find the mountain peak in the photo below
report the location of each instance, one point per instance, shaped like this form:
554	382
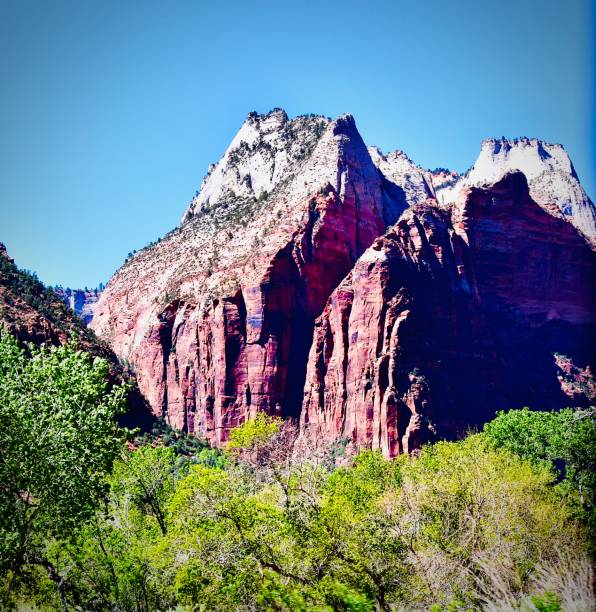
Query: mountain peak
552	179
411	182
275	113
264	152
344	123
531	154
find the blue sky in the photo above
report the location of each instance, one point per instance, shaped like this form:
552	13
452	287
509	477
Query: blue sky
111	111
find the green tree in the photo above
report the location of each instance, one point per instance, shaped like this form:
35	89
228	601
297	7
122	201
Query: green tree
116	559
564	440
480	523
253	434
58	441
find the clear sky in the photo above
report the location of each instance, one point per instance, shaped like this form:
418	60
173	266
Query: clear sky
111	111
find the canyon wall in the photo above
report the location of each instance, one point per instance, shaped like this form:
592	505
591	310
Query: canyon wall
81	301
317	279
449	316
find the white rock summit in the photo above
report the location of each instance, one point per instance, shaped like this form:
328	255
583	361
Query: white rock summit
264	152
551	177
414	182
270	150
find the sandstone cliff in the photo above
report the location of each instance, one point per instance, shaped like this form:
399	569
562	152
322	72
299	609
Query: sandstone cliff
81	301
269	296
217	317
449	316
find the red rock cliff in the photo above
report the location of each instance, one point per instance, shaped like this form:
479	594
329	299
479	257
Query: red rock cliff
269	297
449	316
217	319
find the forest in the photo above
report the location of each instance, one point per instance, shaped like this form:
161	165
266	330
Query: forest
94	516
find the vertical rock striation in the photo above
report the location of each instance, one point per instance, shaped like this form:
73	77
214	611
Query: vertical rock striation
316	279
449	316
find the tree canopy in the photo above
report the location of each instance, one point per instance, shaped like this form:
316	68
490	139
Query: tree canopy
276	521
58	441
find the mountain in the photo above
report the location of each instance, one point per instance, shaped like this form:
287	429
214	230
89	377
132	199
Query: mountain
316	278
451	315
35	313
216	318
408	183
552	179
81	301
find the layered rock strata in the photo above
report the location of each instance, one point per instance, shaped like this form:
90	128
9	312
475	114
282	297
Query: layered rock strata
449	316
316	279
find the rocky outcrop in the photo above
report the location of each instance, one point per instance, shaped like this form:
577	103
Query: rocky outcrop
81	301
553	182
34	313
449	316
407	182
578	384
269	296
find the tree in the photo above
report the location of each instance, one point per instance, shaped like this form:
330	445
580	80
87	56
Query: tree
564	440
147	477
58	441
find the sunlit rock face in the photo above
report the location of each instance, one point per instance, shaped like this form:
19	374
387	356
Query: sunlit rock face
315	278
81	301
552	179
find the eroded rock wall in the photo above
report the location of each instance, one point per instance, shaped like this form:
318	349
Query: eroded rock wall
449	316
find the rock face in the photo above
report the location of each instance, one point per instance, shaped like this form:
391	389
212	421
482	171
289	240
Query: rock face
449	316
82	301
269	296
407	182
265	152
217	317
551	176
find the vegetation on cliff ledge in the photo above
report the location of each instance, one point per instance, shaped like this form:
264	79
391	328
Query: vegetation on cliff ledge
89	521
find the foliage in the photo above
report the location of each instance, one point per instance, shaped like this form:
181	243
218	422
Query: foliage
463	525
58	441
273	523
182	443
254	433
564	440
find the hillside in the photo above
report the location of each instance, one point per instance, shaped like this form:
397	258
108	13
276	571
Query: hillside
32	312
